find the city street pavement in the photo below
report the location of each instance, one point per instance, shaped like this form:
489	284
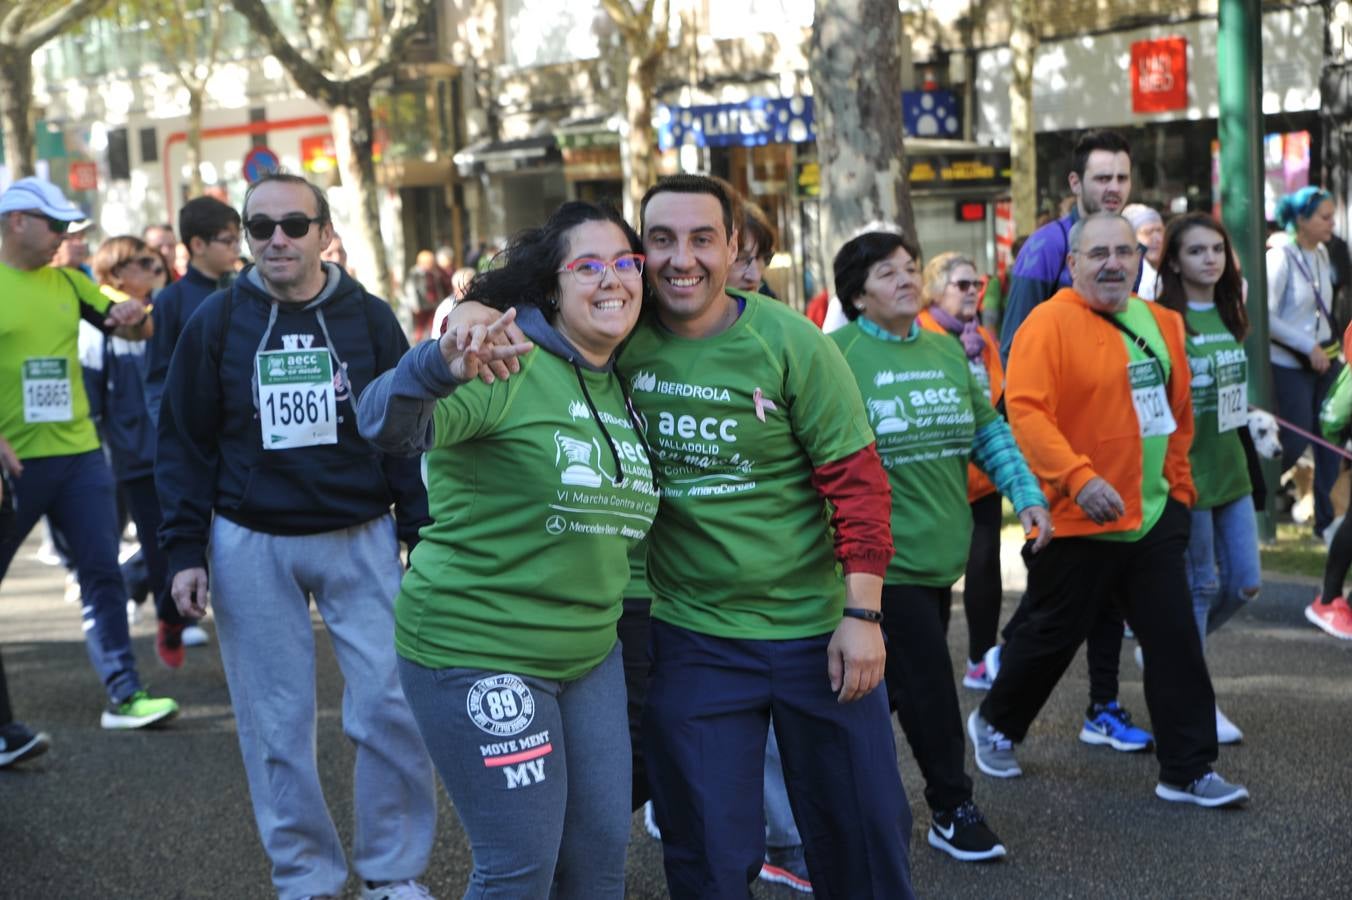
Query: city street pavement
165	814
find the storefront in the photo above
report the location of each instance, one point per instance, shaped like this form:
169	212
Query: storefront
1158	86
766	147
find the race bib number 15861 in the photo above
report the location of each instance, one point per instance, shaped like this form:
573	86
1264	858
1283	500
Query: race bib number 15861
296	399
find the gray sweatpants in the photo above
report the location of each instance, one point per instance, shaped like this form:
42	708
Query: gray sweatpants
539	773
260	586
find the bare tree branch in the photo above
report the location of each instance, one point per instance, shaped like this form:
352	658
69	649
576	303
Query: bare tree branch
309	77
27	38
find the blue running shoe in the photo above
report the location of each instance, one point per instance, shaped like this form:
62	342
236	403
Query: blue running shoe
1111	725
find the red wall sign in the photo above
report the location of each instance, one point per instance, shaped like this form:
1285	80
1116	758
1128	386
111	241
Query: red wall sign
1159	75
84	176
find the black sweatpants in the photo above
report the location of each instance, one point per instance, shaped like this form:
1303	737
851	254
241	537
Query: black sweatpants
632	630
981	586
1068	583
920	688
1104	645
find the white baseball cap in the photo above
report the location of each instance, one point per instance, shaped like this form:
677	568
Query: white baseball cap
35	195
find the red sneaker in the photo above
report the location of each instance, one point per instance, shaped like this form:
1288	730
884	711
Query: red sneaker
169	645
1334	617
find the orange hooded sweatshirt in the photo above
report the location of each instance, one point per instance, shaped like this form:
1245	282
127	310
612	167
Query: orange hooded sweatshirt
1070	408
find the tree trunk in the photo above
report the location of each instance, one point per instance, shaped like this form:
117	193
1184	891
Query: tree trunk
353	140
194	147
641	170
856	82
1022	140
16	95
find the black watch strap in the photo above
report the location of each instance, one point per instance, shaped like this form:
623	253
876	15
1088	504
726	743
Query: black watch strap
868	615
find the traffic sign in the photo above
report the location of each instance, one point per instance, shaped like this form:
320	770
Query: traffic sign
259	162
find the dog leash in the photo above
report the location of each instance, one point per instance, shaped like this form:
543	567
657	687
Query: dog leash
1305	434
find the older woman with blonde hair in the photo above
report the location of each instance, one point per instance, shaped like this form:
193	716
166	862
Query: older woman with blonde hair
950	290
126	267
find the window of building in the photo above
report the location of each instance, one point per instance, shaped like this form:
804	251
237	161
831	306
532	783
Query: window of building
119	155
150	150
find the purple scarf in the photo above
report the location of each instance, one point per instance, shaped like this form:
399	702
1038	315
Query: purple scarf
963	331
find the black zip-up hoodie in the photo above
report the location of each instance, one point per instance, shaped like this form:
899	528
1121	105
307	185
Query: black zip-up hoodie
210	452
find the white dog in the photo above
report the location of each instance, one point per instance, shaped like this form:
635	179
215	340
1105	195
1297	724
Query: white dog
1263	430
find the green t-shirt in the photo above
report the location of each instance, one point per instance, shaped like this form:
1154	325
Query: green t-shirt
737	423
925	406
1145	372
43	407
1220	371
637	588
525	563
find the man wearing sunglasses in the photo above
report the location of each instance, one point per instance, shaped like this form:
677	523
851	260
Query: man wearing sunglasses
258	425
44	412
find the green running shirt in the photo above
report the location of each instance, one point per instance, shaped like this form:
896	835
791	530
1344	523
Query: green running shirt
525	563
925	406
1220	369
737	423
1154	486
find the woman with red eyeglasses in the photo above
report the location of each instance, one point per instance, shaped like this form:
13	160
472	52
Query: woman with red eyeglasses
126	268
505	622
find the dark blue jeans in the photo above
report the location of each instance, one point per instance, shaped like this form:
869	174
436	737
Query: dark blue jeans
144	506
77	493
704	730
1300	393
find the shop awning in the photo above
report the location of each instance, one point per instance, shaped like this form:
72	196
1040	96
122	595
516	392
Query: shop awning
507	156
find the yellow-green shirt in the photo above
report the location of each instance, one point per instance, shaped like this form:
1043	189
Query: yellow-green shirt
43	407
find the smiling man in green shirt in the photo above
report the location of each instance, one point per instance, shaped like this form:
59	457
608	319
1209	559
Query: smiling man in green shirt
771	489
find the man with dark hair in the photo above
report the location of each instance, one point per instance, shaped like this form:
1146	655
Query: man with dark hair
1100	179
260	468
753	417
44	413
210	231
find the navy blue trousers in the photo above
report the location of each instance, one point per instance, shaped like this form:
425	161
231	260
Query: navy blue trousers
704	729
77	493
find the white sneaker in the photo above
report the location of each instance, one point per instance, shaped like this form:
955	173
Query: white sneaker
1226	731
396	890
195	636
1139	654
650	821
992	661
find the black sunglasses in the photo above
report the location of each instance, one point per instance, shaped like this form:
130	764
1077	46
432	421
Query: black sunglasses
57	226
962	284
261	228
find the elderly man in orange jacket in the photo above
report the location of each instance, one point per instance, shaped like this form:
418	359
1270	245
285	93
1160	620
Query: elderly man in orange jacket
1098	396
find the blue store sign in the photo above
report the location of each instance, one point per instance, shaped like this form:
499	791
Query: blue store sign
762	120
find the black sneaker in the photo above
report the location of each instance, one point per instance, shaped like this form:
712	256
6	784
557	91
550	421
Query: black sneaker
18	742
963	834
